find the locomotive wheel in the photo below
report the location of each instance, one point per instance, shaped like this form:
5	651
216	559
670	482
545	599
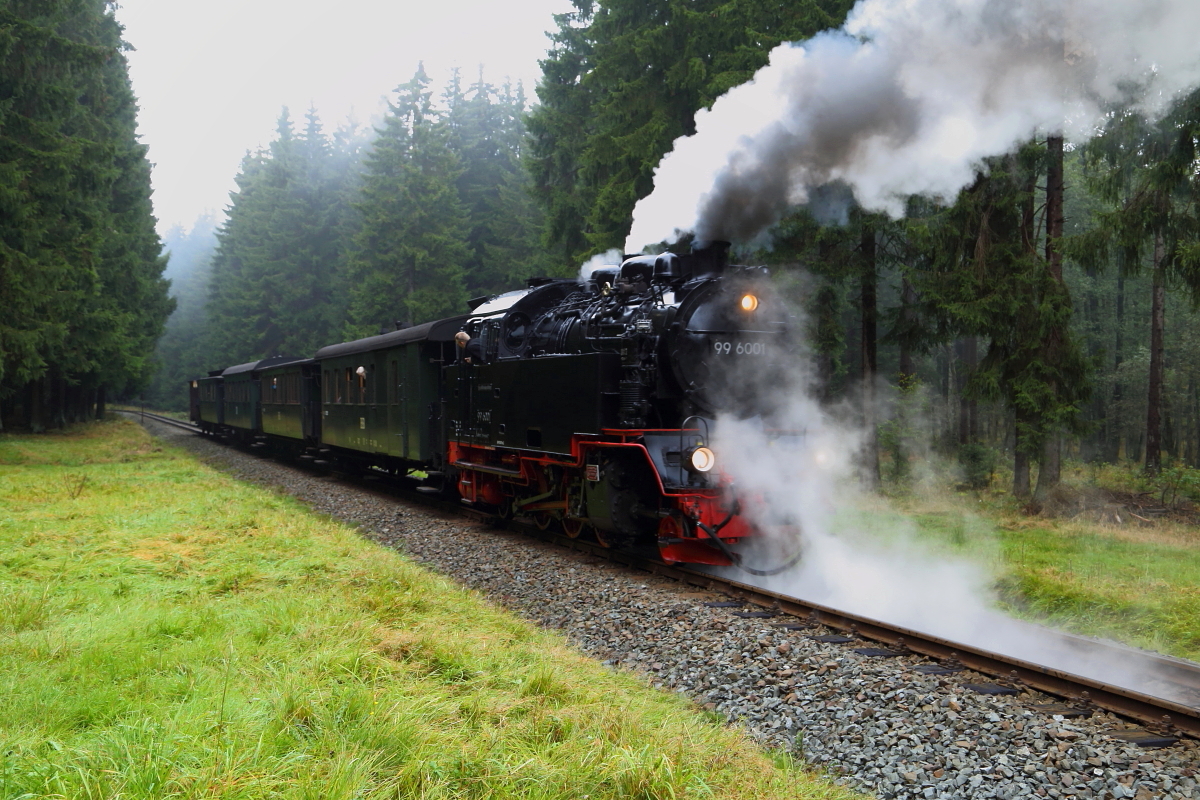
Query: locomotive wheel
504	511
543	519
574	527
617	539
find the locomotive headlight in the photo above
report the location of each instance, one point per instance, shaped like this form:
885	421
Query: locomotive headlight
702	459
749	302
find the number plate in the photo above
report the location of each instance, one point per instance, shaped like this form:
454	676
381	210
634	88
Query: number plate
739	348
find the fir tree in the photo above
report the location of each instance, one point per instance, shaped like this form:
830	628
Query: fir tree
80	265
276	284
487	133
1147	172
410	246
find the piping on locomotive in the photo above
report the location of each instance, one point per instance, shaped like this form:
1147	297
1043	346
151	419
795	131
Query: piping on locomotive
584	403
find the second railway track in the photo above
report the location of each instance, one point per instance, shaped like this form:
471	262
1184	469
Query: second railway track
1164	718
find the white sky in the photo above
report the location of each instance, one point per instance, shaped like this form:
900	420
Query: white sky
211	77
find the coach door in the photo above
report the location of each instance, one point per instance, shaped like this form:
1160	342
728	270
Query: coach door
395	417
407	415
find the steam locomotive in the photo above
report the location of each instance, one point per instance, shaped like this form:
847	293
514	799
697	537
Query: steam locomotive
584	403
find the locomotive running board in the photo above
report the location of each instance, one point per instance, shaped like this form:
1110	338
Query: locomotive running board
484	468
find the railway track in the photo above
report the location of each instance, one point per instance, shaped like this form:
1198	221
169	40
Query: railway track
1173	710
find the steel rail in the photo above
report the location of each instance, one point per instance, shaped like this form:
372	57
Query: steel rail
160	418
1156	713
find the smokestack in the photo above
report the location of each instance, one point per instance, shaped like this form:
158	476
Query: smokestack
709	258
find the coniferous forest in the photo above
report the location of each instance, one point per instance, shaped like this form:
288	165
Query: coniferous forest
81	284
1047	313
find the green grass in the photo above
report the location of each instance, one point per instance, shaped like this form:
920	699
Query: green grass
168	632
1139	584
1145	592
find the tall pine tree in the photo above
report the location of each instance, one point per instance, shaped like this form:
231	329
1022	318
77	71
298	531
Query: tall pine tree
276	284
487	132
80	263
410	248
624	79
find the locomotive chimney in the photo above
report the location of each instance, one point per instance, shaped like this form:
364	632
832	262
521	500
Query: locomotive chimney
710	258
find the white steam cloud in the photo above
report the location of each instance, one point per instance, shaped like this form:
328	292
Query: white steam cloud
611	258
858	556
908	98
872	562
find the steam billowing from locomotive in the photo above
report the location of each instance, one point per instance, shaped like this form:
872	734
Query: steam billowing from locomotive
908	98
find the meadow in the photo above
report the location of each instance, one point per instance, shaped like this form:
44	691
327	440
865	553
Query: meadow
1098	571
168	632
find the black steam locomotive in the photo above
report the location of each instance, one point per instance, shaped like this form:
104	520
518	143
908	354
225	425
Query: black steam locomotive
585	403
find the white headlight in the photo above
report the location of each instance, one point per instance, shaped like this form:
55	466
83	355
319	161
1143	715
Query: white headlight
703	459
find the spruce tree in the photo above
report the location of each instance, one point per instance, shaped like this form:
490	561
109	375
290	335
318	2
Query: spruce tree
410	247
1147	173
80	264
182	353
276	284
487	133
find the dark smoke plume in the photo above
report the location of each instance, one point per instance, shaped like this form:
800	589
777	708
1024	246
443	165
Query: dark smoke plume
909	98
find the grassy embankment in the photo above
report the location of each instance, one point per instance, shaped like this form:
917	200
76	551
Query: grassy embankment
1132	581
168	632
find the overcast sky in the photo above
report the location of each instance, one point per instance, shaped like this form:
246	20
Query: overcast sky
211	77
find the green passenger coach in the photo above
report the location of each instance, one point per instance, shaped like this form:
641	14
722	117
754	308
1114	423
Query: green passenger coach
381	395
289	400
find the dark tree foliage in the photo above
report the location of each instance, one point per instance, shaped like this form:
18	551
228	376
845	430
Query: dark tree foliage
623	80
343	236
411	245
487	132
80	263
275	287
182	352
1147	173
988	279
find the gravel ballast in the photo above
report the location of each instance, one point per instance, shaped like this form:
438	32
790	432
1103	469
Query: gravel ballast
872	721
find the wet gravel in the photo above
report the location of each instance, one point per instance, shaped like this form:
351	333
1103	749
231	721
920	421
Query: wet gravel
873	722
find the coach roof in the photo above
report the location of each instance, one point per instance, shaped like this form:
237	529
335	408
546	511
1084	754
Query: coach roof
441	330
255	366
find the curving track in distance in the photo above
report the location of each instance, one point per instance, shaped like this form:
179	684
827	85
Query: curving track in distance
1173	710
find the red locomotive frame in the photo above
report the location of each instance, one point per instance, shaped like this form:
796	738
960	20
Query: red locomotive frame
520	482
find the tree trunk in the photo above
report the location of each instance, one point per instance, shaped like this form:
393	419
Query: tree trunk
1194	399
870	365
1158	301
37	409
1020	464
1054	205
908	299
1050	474
968	412
1118	442
100	409
1098	444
